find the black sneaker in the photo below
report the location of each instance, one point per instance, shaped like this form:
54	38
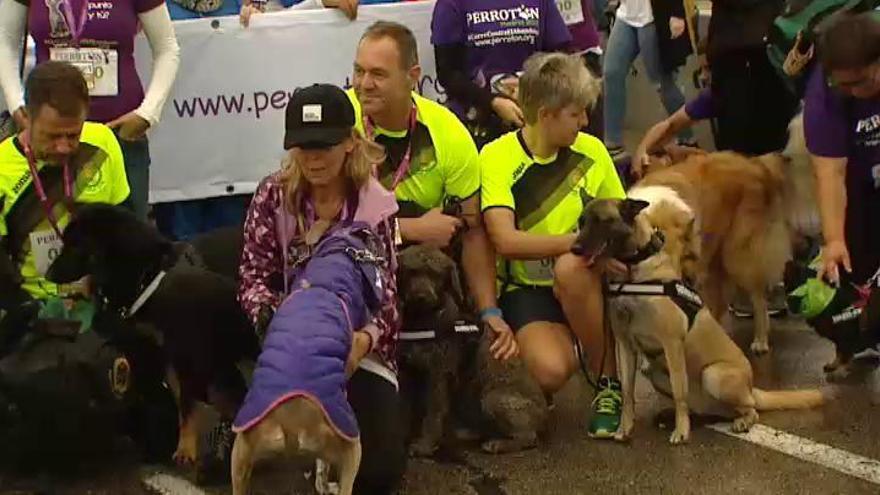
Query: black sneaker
215	462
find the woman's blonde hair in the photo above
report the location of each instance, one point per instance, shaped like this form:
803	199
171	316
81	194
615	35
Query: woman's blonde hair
358	168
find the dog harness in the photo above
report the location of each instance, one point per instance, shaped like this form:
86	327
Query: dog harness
461	327
681	294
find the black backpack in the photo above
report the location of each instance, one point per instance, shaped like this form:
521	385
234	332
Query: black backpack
804	18
61	392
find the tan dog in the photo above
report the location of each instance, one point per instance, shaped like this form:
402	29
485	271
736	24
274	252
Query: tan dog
299	426
691	359
748	212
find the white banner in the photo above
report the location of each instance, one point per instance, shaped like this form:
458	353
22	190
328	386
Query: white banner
223	124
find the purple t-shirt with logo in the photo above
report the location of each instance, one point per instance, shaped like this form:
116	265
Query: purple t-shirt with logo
578	15
499	34
110	25
838	126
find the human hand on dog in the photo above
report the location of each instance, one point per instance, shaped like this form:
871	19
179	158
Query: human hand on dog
504	345
508	110
433	228
834	254
361	342
676	27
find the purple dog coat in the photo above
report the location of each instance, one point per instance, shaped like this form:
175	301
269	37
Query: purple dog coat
309	338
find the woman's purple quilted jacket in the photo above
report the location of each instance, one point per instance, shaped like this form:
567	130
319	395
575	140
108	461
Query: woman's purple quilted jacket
309	338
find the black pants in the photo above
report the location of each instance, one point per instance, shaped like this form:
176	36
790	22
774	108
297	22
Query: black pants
753	105
376	405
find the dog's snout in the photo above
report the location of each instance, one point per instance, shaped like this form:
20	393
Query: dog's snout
422	292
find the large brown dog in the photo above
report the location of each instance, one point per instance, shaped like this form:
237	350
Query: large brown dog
747	210
691	357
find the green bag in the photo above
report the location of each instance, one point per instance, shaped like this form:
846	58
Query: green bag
803	17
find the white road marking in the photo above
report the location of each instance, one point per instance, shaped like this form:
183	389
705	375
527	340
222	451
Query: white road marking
807	450
169	484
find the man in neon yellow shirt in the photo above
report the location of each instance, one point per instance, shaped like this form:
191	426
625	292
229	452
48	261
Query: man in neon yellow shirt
59	161
531	184
430	157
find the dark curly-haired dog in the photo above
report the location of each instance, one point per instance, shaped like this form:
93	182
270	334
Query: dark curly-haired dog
431	300
513	405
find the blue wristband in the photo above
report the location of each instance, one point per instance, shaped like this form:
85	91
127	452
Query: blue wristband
490	312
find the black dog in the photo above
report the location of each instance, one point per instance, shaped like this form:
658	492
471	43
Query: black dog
850	319
140	276
17	309
433	342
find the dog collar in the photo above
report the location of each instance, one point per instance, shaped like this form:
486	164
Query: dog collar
654	245
145	295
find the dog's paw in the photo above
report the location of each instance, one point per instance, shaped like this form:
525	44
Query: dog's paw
622	436
832	366
494	446
624	431
760	347
463	434
744	423
422	448
679	436
838	373
187	452
184	456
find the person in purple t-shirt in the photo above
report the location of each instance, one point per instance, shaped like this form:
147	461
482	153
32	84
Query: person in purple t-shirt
842	130
98	38
480	47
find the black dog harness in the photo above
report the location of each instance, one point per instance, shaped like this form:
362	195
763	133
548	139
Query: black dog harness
686	298
681	294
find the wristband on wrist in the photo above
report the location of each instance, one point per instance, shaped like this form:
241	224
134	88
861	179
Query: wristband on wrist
489	312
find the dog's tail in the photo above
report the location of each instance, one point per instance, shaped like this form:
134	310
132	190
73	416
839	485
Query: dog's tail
774	400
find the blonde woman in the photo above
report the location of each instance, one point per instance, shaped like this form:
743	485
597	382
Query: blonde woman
327	178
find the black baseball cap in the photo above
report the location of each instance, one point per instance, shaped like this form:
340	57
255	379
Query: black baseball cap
318	116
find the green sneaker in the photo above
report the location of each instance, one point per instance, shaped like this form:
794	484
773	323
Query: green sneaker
606	409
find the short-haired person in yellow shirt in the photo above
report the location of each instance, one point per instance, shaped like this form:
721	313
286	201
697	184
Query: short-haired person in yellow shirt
58	162
532	180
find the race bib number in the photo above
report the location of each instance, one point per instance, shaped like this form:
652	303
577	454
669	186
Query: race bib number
539	270
572	11
99	66
46	246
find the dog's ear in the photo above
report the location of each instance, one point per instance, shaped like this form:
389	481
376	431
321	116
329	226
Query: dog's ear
629	208
585	197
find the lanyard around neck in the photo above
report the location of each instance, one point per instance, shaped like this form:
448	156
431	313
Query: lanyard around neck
405	162
38	184
76	28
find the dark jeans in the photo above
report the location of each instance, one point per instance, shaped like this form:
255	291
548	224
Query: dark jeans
137	169
183	220
376	406
754	107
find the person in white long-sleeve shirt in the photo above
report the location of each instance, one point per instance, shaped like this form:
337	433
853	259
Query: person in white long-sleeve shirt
98	38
